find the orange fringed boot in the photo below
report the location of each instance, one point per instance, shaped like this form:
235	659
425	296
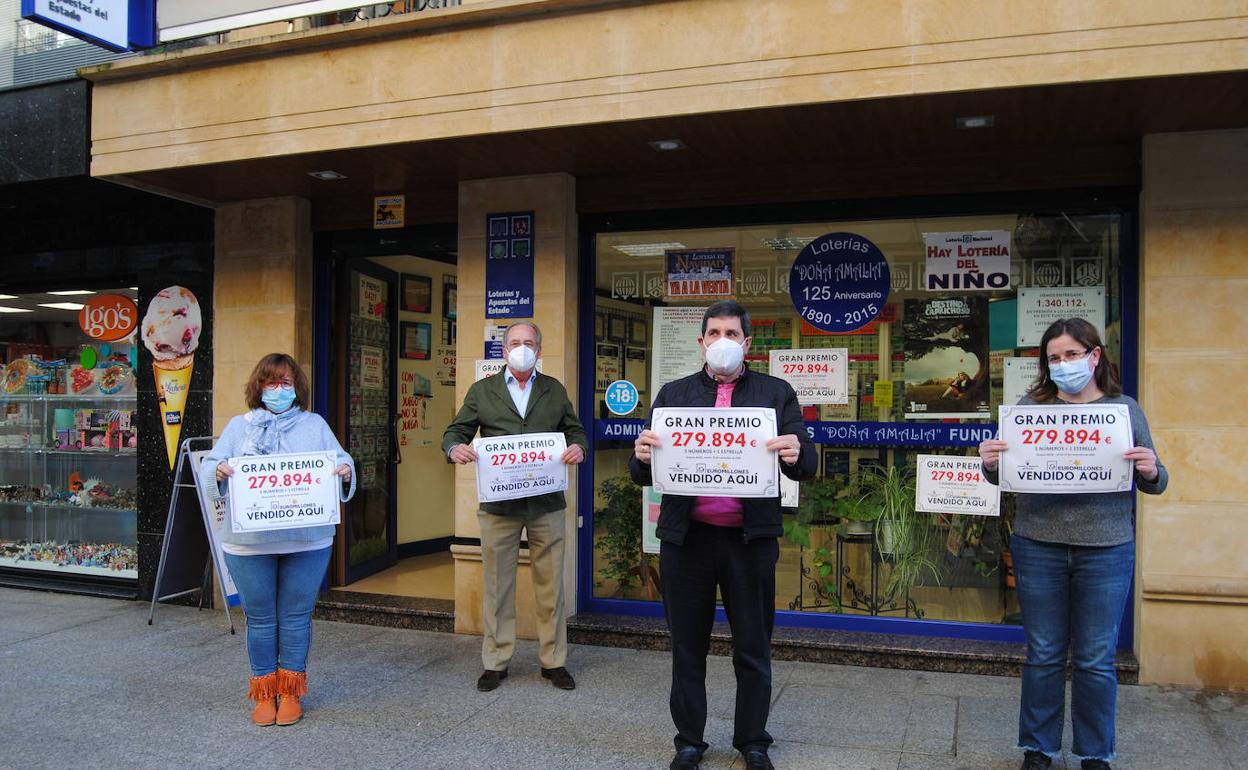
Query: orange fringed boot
291	686
263	691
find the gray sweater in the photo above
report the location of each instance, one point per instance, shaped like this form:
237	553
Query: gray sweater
1094	519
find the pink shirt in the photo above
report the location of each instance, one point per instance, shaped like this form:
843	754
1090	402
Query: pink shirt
720	511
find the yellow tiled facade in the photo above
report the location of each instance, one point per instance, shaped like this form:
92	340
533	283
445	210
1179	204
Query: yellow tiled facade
480	71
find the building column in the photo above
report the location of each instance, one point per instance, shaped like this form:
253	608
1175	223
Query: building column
552	198
1192	575
262	296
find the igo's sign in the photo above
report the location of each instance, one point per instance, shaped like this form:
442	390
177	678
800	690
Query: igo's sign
108	317
118	25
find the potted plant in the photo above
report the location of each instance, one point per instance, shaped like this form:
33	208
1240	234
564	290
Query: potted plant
902	534
619	521
819	502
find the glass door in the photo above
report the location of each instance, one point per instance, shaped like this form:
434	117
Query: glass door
366	324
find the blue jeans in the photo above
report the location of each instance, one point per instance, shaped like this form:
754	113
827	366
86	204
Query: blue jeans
278	592
1072	598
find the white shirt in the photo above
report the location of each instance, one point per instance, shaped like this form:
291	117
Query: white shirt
520	396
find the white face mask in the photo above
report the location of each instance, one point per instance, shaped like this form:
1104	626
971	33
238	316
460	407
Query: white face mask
521	358
724	356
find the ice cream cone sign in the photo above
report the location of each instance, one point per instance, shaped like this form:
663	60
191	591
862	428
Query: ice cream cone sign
170	332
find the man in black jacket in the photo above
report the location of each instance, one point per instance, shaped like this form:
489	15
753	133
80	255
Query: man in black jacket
724	543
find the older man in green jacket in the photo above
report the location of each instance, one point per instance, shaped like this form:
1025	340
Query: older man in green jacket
514	401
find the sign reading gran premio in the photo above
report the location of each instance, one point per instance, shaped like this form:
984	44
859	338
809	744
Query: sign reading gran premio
1066	449
711	452
283	491
180	19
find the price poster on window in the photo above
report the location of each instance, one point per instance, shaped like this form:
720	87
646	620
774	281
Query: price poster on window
712	452
952	484
523	465
1039	308
1066	449
818	376
283	491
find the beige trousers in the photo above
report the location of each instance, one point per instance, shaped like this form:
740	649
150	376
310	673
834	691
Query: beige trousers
500	553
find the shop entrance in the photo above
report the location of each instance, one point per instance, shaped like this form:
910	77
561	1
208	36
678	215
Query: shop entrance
392	392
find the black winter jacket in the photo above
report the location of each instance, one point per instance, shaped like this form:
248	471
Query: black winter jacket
761	515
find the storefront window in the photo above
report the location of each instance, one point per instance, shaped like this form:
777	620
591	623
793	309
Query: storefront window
68	438
947	355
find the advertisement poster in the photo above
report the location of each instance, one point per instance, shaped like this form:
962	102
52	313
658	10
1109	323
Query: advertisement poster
712	452
651	502
283	491
215	509
675	348
606	364
512	467
1020	374
494	340
372	298
371	366
388	211
447	360
946	350
1039	308
698	273
170	331
954	484
635	367
974	261
509	265
819	376
415	391
839	282
1066	449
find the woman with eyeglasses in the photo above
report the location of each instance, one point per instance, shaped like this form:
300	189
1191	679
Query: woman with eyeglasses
278	573
1074	556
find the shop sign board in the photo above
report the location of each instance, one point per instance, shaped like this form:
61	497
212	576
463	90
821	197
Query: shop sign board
840	282
108	317
118	25
1038	308
290	491
389	211
509	265
698	273
968	261
954	484
1066	449
182	19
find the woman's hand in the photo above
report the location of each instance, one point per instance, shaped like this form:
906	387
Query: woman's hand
645	444
344	471
990	452
1145	461
224	471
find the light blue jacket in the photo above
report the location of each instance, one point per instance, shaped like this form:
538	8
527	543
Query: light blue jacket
309	433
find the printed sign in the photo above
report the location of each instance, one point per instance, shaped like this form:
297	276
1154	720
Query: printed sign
512	467
486	367
676	350
216	511
494	334
975	261
1039	308
108	317
621	397
1066	449
954	484
947	362
447	359
283	491
882	394
372	298
388	211
118	25
698	273
1020	373
839	282
371	367
509	265
171	330
819	376
712	452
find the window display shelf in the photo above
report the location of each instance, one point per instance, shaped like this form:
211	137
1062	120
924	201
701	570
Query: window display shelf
62	507
31	450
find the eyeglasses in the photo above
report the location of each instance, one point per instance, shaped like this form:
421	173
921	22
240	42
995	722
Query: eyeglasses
1069	356
279	384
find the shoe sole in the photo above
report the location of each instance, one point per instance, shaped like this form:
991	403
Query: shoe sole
288	724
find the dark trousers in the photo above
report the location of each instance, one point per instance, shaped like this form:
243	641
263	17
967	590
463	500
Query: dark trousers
745	574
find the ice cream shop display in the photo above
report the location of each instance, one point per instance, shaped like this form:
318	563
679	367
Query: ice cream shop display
171	330
69	435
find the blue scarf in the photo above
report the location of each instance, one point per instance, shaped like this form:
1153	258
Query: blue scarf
266	432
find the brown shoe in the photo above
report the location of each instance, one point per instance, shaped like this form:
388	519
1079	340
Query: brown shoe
263	691
291	686
559	677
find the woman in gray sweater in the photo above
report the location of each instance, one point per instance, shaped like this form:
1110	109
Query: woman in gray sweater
1074	556
278	572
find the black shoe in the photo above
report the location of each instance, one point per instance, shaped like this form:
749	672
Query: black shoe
559	677
687	758
490	680
1036	760
1094	764
757	759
